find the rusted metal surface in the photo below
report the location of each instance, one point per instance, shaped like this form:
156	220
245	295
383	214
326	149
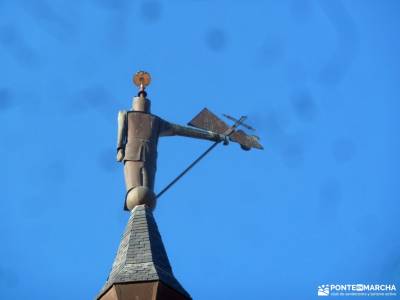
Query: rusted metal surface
208	121
138	134
245	140
137	140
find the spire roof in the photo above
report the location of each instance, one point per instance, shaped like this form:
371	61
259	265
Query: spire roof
141	254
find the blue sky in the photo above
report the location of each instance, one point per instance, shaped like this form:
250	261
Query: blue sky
318	79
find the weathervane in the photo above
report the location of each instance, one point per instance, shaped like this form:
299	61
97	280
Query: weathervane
138	133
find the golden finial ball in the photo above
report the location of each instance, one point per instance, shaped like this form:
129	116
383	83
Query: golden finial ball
142	79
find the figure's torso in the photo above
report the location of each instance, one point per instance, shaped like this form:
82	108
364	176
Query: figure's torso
142	136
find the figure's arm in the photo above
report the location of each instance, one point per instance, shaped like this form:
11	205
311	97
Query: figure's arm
121	137
168	129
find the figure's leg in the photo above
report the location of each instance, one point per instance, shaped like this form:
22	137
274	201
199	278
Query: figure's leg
149	172
139	180
133	173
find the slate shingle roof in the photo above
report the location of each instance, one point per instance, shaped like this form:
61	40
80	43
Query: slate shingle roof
141	254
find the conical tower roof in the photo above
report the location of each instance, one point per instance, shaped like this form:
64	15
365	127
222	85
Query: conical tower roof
141	259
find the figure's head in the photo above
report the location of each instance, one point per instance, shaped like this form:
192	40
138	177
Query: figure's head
141	103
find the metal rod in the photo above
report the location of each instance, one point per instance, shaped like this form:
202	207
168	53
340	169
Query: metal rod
187	169
235	120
